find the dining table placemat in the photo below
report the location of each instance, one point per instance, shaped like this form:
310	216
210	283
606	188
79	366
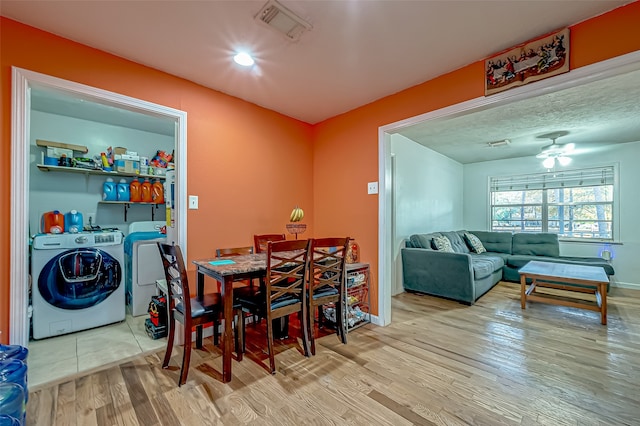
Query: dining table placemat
222	262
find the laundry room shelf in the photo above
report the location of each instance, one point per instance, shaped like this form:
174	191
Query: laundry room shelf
46	168
128	204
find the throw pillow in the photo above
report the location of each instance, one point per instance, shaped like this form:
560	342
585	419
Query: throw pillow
474	243
442	243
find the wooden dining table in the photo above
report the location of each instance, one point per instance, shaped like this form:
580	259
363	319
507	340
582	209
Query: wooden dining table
226	271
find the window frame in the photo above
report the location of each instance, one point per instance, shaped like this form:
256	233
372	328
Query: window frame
545	204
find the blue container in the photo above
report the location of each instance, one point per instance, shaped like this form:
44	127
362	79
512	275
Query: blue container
14	371
13	352
109	191
123	191
73	222
12	404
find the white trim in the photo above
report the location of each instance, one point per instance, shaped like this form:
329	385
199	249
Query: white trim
19	261
632	286
23	81
587	74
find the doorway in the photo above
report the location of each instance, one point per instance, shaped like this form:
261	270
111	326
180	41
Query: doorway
23	82
387	231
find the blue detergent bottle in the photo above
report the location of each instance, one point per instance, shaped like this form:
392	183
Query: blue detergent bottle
109	191
123	191
73	222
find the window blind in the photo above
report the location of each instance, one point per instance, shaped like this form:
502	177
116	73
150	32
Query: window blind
557	179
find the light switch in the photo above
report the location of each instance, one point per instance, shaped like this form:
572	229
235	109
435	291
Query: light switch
193	202
372	188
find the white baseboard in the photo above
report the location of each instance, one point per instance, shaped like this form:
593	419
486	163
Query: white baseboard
632	286
375	320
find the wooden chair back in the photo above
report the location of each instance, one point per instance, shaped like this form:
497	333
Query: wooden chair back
260	241
176	276
233	251
326	283
286	279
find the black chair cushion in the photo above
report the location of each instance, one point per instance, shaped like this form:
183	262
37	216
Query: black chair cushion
325	291
211	302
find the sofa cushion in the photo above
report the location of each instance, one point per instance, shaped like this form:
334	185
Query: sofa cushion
423	240
474	243
498	242
457	242
442	243
518	261
543	244
483	266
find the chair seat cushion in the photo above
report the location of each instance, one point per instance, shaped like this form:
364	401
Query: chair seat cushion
325	291
211	302
257	302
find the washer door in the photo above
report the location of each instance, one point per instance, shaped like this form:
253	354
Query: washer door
79	279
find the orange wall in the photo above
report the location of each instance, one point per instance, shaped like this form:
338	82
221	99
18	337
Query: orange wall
249	166
350	141
229	140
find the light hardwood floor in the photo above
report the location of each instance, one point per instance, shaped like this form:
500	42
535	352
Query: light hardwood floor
439	362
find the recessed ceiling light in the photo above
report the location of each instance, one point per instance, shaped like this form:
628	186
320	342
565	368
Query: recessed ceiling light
243	59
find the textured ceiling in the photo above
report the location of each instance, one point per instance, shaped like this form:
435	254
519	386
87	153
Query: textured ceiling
358	51
595	115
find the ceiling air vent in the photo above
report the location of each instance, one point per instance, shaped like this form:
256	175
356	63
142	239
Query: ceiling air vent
280	19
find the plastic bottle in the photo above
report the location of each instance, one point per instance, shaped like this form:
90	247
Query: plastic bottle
157	190
13	352
14	371
73	222
52	222
123	191
105	162
12	404
147	196
135	191
109	191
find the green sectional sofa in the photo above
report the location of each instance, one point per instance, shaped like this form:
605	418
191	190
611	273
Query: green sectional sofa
464	275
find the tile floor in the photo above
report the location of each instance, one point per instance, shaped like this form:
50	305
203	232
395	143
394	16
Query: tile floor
55	358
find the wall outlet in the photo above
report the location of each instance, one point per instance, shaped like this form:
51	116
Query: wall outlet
372	188
193	202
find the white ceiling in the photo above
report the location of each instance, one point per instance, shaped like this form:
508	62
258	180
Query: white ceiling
357	52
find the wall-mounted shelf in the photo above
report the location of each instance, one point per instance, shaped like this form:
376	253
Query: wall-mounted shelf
46	168
128	204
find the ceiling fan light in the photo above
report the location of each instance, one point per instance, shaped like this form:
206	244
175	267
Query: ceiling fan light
549	162
564	161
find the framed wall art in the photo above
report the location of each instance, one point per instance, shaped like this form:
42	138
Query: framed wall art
531	61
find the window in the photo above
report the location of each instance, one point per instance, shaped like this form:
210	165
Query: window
575	204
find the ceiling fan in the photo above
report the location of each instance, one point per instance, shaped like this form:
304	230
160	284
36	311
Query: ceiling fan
554	151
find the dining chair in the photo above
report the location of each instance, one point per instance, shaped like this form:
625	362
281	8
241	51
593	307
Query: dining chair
260	241
326	284
183	308
241	289
285	289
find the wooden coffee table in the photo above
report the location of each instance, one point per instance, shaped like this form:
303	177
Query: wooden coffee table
565	277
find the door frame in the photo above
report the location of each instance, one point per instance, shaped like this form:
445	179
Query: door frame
587	74
22	82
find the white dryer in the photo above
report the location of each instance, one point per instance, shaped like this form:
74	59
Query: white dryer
143	266
77	281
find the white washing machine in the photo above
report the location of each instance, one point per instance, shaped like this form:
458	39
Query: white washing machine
143	266
77	281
